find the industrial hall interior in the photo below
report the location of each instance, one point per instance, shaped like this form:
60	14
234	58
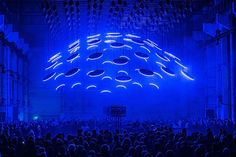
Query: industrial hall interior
117	78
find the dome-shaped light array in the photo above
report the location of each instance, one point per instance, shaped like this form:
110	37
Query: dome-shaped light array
113	61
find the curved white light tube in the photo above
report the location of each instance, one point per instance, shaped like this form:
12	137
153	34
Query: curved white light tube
92	46
137	83
60	86
156	73
160	64
49	77
51	66
132	36
121	86
93	36
171	55
186	76
105	62
72	60
144	47
123	71
73	73
91	86
167	72
54	56
57	65
109	41
74	43
181	64
75	84
153	84
58	76
107	77
105	91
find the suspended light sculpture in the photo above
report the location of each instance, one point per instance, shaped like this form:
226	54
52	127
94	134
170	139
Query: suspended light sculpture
115	58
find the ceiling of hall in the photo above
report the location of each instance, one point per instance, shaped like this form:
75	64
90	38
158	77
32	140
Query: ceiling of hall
40	21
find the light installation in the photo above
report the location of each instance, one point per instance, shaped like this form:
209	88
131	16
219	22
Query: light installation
105	60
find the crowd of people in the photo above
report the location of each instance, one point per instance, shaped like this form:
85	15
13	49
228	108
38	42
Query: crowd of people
74	138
